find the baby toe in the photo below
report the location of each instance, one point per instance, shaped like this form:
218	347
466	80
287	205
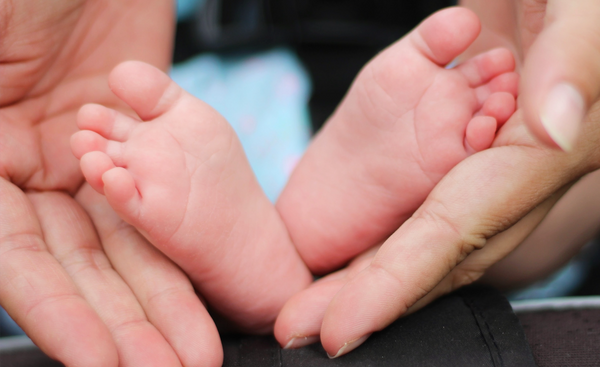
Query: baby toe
106	122
93	166
507	82
500	105
446	34
146	89
480	133
122	193
86	141
485	67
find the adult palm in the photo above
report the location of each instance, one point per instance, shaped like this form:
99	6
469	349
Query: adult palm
53	58
87	288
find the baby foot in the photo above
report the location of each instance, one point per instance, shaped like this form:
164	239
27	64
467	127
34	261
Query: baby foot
179	175
405	122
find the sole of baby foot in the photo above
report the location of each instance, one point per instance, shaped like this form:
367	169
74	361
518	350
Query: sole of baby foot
406	121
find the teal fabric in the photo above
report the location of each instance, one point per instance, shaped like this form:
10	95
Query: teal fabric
187	8
265	99
7	326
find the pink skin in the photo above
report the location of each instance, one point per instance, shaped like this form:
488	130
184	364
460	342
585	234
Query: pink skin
179	175
300	320
406	121
380	155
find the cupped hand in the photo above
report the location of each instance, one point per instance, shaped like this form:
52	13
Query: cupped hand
486	206
53	59
561	48
88	293
97	293
480	212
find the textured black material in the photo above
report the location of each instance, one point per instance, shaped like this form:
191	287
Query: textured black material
234	24
564	338
333	38
474	327
30	357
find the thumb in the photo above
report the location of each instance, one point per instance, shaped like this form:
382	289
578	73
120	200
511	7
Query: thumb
561	75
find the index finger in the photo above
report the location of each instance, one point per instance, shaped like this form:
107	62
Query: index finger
481	197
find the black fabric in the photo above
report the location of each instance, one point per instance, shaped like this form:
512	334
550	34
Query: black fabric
564	338
333	38
473	327
23	353
225	25
29	358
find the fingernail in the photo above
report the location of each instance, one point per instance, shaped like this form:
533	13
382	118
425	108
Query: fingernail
562	115
349	346
301	341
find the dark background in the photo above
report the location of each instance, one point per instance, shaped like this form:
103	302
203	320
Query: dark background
333	38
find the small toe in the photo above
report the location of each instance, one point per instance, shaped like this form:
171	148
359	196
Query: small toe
105	121
121	193
446	34
500	105
485	67
86	141
146	89
93	166
507	82
480	133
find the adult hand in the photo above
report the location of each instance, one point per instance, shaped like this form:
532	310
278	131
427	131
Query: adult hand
489	203
83	303
560	75
481	211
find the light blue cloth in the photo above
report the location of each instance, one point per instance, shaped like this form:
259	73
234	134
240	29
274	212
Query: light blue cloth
187	8
559	284
265	99
8	326
564	281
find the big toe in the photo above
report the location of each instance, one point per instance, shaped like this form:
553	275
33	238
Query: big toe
146	89
446	34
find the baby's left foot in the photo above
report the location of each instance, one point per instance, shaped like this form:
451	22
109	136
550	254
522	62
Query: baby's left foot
180	176
405	123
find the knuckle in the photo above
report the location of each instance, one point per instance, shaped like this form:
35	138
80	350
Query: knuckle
448	221
26	241
84	257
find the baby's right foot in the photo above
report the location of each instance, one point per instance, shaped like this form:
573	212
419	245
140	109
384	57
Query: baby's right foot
180	176
406	121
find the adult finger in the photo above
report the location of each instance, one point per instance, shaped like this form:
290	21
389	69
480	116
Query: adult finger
498	247
72	240
299	322
479	198
40	296
163	290
561	77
